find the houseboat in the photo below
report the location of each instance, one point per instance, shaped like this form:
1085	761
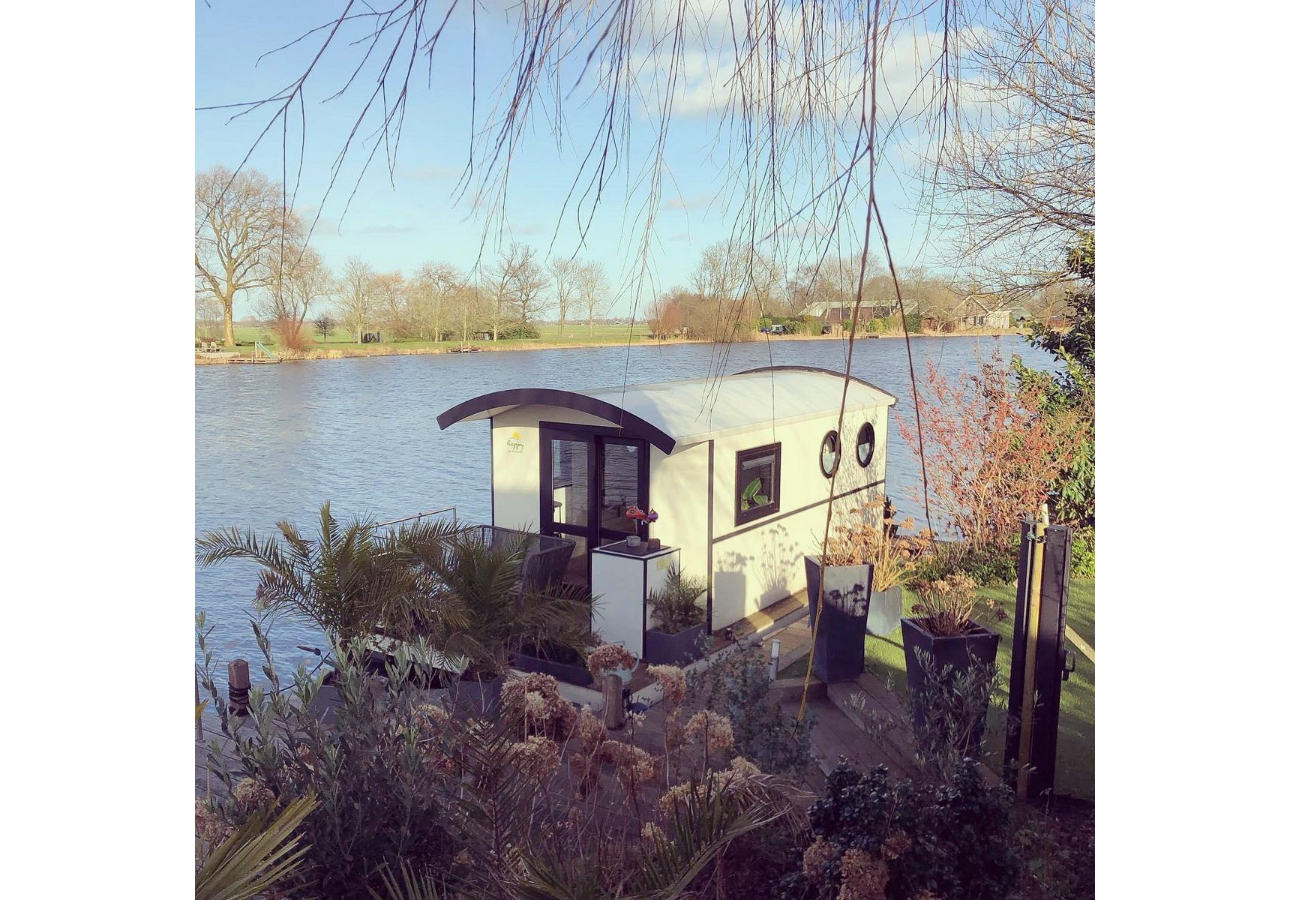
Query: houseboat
738	470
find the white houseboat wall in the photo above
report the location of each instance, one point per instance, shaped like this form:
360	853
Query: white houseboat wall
570	463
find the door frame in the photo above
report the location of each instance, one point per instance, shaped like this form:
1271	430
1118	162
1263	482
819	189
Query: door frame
596	436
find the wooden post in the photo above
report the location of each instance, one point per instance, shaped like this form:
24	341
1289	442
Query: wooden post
239	687
613	688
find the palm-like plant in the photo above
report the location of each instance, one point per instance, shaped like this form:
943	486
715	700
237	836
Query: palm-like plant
350	581
256	856
484	614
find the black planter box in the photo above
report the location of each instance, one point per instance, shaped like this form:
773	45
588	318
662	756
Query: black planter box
565	672
680	649
954	653
839	645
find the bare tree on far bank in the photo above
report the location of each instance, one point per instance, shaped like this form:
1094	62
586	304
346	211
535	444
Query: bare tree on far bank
299	281
325	325
1016	180
593	291
564	277
240	225
528	299
355	302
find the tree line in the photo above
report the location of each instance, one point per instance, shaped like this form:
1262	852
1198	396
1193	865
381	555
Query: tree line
249	244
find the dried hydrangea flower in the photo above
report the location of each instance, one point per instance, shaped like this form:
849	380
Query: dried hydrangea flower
252	794
711	728
632	765
896	846
672	680
864	876
814	858
210	826
537	757
608	657
651	833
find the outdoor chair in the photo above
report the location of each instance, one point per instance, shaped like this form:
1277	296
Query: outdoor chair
545	557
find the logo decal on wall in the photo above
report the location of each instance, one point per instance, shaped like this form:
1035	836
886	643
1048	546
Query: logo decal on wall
514	444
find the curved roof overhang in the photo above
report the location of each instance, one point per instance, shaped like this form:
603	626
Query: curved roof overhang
487	405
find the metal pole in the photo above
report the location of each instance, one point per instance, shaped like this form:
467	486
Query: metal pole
774	659
1032	646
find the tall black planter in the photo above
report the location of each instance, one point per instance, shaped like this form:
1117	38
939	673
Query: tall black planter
839	645
950	657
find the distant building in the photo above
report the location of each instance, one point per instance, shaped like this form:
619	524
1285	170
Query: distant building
983	311
836	312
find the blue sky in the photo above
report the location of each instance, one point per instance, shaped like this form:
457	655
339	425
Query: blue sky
415	219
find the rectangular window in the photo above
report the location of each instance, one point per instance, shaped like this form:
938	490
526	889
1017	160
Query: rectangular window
756	483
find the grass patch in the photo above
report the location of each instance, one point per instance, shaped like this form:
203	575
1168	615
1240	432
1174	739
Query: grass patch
885	659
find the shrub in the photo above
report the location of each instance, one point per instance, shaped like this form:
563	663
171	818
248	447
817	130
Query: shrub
990	455
739	687
858	541
519	332
378	786
1083	558
676	607
877	839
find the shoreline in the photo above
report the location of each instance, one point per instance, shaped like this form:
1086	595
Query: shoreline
323	353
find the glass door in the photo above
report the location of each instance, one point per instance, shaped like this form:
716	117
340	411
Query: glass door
622	486
589	481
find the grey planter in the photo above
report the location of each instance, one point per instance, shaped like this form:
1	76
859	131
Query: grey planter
681	649
843	618
886	608
950	656
565	672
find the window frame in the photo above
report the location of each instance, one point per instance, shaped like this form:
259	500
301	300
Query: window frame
742	517
837	453
867	427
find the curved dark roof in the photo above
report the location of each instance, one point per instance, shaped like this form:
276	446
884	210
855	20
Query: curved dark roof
819	369
631	424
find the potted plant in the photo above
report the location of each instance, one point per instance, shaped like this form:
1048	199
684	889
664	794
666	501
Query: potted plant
860	582
942	640
679	636
483	615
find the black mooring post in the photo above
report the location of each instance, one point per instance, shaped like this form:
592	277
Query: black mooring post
1050	657
1016	681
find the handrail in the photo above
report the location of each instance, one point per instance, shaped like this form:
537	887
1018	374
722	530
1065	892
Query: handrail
433	512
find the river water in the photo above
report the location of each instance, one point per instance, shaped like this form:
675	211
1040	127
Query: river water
274	442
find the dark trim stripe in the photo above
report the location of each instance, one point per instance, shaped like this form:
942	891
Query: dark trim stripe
782	516
820	370
631	424
711	555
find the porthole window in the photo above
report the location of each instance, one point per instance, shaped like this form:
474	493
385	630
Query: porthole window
830	454
865	444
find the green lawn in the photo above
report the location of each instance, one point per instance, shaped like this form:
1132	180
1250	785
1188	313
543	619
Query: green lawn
885	658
